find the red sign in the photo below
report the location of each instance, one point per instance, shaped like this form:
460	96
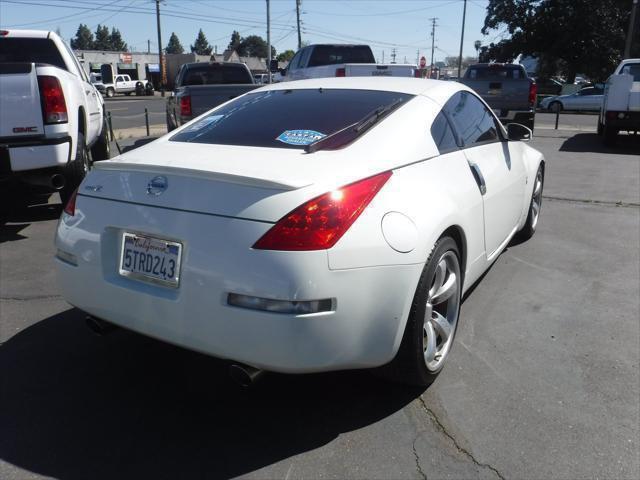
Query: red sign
126	58
423	62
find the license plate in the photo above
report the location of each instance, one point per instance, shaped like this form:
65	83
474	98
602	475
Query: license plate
150	259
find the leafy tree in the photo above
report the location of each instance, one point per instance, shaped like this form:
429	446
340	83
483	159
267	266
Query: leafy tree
83	39
234	44
174	45
201	45
286	56
254	46
116	42
566	36
103	38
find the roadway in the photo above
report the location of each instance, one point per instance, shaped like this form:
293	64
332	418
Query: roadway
542	381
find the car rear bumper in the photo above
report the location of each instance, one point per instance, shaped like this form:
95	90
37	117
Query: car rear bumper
629	120
363	329
20	157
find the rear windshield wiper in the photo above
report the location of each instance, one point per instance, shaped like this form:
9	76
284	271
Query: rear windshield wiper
348	134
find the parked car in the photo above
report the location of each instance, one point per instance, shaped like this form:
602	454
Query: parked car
585	99
320	61
52	119
201	86
507	89
335	235
116	83
620	109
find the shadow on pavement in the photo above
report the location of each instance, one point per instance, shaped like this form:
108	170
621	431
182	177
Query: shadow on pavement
77	406
138	143
591	142
23	210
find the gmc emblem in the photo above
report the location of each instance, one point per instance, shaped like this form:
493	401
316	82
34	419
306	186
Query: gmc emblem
25	129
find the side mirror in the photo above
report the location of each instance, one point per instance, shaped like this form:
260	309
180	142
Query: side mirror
518	132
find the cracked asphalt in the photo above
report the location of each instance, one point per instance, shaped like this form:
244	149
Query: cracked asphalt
543	380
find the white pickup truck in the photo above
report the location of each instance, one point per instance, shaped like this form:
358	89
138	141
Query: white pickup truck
320	61
621	104
50	114
112	83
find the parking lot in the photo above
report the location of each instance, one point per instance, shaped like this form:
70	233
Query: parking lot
543	381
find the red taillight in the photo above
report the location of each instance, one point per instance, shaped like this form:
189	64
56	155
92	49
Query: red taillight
533	93
341	72
185	106
4	33
54	108
70	207
321	222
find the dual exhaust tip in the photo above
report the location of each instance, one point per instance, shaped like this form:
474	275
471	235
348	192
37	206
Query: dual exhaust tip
243	375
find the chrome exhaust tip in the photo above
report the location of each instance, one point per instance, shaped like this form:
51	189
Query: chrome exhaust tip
57	181
244	375
99	327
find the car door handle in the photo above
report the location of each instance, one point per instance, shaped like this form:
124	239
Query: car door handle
477	174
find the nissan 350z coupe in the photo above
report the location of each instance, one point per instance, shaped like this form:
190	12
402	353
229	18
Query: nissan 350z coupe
307	226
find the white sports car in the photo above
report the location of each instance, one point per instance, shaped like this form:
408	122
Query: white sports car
306	226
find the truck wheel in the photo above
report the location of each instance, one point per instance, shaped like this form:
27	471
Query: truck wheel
101	150
110	92
170	126
610	135
76	170
139	89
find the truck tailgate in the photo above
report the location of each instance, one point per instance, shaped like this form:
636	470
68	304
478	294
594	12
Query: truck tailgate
375	70
20	111
205	97
501	94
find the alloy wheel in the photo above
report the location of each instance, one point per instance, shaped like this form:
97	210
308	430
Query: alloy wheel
441	312
536	200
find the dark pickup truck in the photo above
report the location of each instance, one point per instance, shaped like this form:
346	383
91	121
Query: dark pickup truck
506	89
199	87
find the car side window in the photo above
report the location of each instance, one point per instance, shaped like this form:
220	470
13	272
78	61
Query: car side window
443	134
474	123
293	64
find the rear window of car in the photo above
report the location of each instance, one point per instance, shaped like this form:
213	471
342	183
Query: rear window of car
286	118
496	72
30	50
334	54
215	75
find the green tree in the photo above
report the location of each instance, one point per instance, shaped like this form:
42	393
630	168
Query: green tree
174	45
254	46
103	38
566	36
286	56
236	39
83	39
116	42
201	45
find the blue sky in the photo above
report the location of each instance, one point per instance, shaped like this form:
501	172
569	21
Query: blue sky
384	24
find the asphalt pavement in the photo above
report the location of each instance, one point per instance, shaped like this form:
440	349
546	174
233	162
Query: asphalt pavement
543	380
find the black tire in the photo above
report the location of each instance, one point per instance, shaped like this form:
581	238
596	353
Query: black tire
110	92
149	89
609	135
101	150
535	206
170	126
555	106
76	170
409	365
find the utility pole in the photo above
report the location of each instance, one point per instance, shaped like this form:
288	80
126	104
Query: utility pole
393	55
417	57
268	42
382	56
632	24
163	68
433	41
298	19
464	14
148	47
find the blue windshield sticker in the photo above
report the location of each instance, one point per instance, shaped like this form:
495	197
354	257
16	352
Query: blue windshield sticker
300	137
